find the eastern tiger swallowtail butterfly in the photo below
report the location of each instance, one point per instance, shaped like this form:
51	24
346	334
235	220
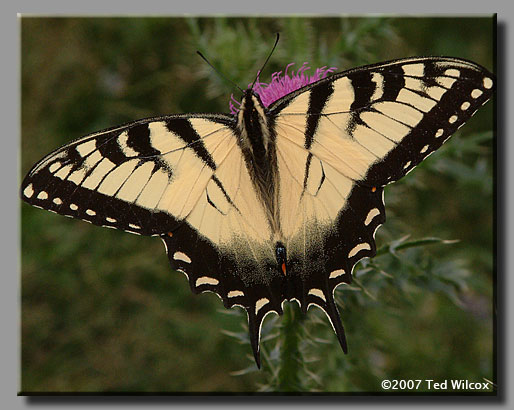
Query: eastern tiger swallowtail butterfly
274	203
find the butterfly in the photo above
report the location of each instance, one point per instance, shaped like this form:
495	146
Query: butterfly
273	203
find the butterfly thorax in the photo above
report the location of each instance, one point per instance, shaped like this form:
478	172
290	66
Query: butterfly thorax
257	142
253	125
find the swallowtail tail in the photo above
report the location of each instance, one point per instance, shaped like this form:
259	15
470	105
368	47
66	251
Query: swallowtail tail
274	203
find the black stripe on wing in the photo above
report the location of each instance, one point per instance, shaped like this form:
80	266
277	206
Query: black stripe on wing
394	81
317	100
362	81
183	128
139	140
110	148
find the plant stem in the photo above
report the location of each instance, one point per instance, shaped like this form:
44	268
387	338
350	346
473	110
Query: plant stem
290	356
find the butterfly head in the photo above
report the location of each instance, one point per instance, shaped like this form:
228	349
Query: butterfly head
250	100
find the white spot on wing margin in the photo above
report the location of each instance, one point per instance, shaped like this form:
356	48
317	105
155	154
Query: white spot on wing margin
358	248
260	303
181	256
235	293
318	293
336	273
28	191
372	214
206	280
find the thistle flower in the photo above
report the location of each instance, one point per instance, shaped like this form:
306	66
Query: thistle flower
281	85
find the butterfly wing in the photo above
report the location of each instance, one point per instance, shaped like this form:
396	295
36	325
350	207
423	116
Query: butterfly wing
182	178
341	140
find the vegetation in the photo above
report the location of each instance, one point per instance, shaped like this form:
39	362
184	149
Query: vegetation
102	310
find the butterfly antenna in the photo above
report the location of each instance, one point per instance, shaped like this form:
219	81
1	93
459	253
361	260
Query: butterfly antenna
262	68
217	72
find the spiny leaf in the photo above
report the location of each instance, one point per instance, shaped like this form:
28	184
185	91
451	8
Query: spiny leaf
250	369
241	336
400	244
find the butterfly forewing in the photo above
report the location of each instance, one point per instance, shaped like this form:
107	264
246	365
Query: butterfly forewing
374	124
136	177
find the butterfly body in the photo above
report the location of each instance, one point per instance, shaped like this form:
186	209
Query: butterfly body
274	203
257	143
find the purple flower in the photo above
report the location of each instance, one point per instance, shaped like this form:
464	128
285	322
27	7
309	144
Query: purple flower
281	85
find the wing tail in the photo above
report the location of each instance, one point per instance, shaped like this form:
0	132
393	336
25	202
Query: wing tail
332	312
321	294
254	327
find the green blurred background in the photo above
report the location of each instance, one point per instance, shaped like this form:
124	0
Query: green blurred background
103	311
